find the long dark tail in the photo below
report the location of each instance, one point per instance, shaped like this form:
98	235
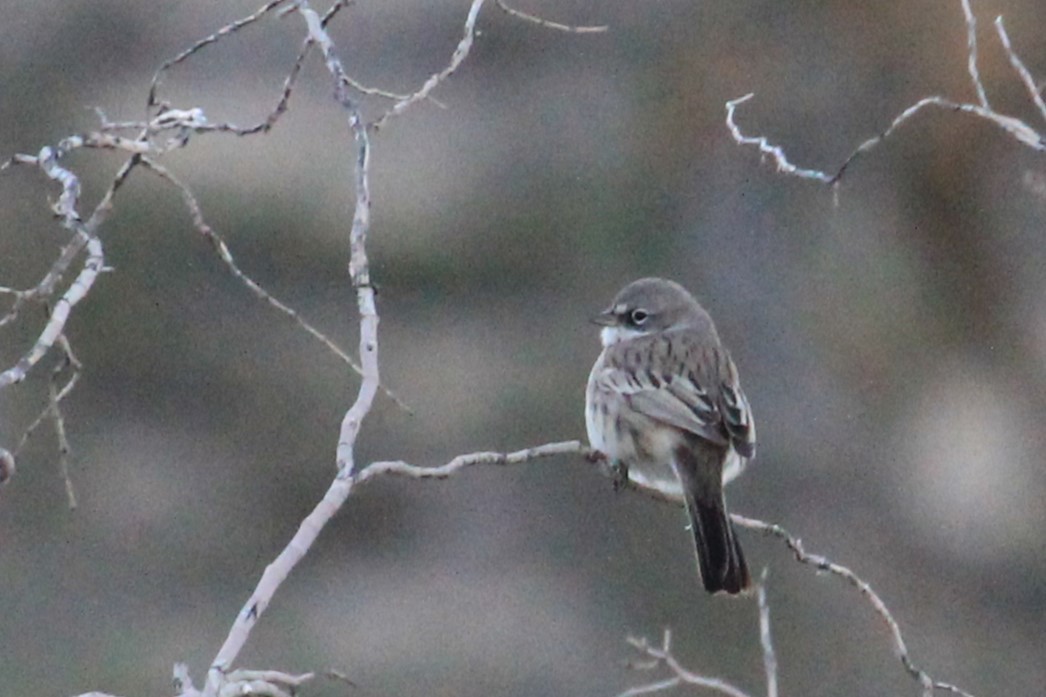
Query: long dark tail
719	556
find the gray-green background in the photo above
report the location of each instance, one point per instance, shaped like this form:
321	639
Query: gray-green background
893	348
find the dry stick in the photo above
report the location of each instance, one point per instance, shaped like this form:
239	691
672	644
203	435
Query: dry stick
823	564
244	682
459	55
663	655
45	288
403	469
547	24
356	84
971	54
68	359
94	263
1015	127
65	208
1019	67
766	148
55	398
341	487
273	116
154	86
223	252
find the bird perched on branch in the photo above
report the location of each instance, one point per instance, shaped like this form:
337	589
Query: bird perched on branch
664	395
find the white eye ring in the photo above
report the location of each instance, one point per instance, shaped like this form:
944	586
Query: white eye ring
638	316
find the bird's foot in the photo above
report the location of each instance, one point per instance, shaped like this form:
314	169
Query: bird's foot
615	469
619	475
594	456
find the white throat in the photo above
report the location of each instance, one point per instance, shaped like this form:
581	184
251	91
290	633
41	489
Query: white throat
612	335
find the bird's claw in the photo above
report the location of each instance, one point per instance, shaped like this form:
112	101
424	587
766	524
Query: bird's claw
619	475
595	456
615	469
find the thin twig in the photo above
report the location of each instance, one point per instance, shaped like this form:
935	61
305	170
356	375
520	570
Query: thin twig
154	87
971	54
269	683
459	55
662	655
56	395
94	263
225	254
823	564
1015	127
548	24
766	148
403	469
53	412
1019	67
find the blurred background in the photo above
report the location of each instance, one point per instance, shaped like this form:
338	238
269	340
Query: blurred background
893	347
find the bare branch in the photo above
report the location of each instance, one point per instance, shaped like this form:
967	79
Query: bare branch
1019	67
459	55
56	395
1015	127
84	237
267	683
225	254
53	412
154	88
766	148
76	292
341	677
402	469
971	54
823	564
657	656
662	655
548	24
342	484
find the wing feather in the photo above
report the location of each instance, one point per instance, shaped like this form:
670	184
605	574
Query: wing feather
705	400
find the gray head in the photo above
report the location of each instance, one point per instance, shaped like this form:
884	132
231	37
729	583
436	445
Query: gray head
652	305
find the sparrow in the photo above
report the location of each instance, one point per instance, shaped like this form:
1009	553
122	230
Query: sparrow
664	395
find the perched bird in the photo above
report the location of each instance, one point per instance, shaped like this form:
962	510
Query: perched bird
664	395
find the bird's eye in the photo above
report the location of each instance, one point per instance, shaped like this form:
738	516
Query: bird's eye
638	316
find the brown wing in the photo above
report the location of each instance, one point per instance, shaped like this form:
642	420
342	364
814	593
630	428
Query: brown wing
673	379
735	410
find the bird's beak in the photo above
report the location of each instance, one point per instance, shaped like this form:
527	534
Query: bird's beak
606	318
